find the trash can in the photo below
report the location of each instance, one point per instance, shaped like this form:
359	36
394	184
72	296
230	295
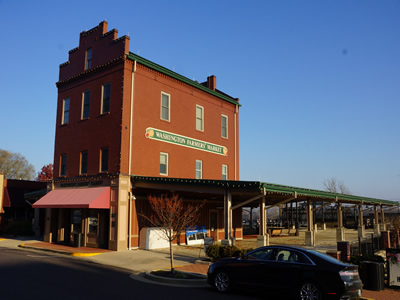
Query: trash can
78	240
374	276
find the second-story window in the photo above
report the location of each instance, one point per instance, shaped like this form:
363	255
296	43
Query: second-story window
224	126
65	114
84	160
85	104
199	118
163	163
224	172
63	165
104	160
88	63
199	169
106	98
165	106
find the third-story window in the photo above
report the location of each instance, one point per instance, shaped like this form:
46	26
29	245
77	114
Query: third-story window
84	160
163	163
106	98
88	64
85	104
199	118
63	165
224	126
65	115
224	172
165	106
104	160
199	169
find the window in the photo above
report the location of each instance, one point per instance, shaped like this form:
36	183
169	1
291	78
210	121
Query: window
165	106
88	64
224	126
163	163
105	103
199	169
104	160
84	159
77	221
65	115
63	165
224	172
199	118
85	104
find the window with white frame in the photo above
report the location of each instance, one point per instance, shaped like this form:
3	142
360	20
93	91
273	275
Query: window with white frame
84	161
165	106
85	104
224	172
104	160
63	165
106	98
65	115
163	163
88	63
224	126
199	118
199	169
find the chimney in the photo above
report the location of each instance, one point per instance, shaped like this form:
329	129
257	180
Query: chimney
212	82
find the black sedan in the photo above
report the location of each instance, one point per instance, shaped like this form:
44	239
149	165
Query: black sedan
288	271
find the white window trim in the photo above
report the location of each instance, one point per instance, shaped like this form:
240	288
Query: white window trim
167	163
102	99
226	118
201	168
225	172
169	107
202	118
63	111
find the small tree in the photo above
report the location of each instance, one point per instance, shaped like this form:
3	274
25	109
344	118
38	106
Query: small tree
172	215
46	173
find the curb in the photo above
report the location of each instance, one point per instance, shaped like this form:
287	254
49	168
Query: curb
76	254
202	282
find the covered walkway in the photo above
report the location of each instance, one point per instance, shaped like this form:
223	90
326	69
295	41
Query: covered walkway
234	195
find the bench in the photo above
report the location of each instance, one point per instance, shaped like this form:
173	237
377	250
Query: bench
284	232
292	232
276	232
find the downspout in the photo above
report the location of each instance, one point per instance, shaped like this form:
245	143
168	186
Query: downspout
130	160
236	148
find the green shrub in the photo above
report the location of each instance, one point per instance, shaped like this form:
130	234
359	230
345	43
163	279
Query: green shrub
216	251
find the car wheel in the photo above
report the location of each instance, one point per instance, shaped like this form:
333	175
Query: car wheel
222	281
310	291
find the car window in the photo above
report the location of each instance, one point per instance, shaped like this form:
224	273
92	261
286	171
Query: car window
291	256
264	254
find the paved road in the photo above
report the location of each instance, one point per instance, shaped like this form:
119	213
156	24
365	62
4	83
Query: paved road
37	275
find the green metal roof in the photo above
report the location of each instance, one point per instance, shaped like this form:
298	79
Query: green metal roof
270	188
179	77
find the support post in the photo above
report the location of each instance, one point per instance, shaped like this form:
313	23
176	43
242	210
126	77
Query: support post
340	230
228	240
377	228
263	238
361	226
310	233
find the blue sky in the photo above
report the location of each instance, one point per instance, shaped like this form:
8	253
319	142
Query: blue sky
319	81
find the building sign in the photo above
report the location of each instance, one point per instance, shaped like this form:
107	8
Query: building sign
172	138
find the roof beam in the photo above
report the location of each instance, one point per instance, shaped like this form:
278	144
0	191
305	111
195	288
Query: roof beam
284	201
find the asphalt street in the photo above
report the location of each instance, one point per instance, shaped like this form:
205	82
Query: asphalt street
36	275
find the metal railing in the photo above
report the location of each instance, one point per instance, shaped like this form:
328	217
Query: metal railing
366	245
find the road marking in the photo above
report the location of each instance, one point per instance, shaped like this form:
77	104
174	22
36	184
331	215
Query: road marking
30	255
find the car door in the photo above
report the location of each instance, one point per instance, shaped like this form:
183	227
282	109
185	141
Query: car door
251	269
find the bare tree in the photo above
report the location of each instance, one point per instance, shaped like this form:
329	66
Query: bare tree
15	166
172	216
334	186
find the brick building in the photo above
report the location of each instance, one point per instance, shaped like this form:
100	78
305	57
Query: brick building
120	115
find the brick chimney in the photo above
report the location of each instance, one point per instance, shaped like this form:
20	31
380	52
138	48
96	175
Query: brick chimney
212	82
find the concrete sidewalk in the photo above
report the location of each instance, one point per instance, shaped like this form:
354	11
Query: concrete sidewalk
186	258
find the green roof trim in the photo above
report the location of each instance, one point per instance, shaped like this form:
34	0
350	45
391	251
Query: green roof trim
269	187
179	77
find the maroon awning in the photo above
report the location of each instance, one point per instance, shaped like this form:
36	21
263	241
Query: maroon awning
98	197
